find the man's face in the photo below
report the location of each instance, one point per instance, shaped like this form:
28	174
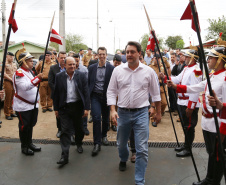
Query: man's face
81	52
89	52
177	51
119	52
154	61
165	51
76	62
141	58
9	58
211	61
61	59
116	63
102	55
148	52
70	65
182	58
48	57
132	55
29	63
173	58
95	56
187	60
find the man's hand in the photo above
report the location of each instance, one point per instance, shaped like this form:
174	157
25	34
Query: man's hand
57	114
114	115
171	84
86	112
157	118
40	75
189	112
214	101
151	111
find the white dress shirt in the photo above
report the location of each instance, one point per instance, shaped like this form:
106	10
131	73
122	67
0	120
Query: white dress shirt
133	86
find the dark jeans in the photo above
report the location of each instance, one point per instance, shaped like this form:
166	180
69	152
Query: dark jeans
132	142
84	120
71	121
99	108
27	120
189	124
172	100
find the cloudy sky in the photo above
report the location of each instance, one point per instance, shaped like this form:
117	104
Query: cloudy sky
126	17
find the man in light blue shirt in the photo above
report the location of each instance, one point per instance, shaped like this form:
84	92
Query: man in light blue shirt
148	57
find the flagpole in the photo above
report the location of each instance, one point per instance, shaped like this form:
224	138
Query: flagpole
47	43
194	13
180	115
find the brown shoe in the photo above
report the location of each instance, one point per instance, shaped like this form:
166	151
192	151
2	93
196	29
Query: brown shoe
133	158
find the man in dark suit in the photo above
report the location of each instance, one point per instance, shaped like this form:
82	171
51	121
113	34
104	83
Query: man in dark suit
59	67
98	79
71	104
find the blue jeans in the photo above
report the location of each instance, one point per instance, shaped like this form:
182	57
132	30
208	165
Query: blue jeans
99	108
139	121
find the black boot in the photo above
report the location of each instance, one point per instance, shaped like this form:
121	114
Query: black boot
205	181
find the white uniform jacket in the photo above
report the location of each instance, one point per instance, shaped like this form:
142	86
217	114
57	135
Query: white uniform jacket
190	75
25	86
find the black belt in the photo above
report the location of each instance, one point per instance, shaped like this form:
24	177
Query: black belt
131	110
44	80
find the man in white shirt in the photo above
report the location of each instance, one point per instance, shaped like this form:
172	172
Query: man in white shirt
133	82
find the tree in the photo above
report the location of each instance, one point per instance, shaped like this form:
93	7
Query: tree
215	27
74	43
54	45
144	41
180	44
172	40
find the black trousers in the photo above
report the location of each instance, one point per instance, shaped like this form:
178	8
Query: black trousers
71	122
189	124
214	169
27	120
58	124
172	100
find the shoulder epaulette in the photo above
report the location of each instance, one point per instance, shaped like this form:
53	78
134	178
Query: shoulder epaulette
19	73
197	72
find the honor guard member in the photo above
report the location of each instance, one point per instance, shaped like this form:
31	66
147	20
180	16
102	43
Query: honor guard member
87	57
216	61
10	69
25	86
45	90
154	65
188	103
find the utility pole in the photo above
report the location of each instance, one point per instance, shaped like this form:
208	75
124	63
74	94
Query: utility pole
3	24
62	25
97	27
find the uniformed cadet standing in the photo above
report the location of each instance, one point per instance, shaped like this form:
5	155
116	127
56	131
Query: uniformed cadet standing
154	65
87	57
45	90
216	61
10	69
189	103
25	86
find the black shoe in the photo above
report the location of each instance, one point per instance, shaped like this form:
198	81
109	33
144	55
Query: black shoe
86	131
34	148
62	161
96	149
90	119
50	109
0	122
13	115
114	128
8	118
154	124
79	149
122	166
179	149
72	140
203	182
44	110
27	151
183	153
105	141
58	134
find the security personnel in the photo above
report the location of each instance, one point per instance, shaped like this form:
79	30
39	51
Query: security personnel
45	90
10	69
154	66
216	61
25	86
87	57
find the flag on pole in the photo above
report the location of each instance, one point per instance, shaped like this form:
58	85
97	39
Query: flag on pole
55	37
12	20
151	43
188	16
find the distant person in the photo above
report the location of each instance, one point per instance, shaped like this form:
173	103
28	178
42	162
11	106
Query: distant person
123	56
148	57
87	57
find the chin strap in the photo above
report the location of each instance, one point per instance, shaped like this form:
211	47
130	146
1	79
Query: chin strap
193	56
220	57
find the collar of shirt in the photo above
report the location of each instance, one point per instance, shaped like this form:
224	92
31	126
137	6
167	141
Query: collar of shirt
102	66
25	69
139	66
61	68
69	76
220	71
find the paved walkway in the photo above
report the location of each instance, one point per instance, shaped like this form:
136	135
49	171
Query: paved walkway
41	169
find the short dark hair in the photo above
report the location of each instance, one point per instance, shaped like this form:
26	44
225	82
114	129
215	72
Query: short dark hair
61	52
174	54
102	48
178	48
76	55
123	52
81	49
142	54
134	43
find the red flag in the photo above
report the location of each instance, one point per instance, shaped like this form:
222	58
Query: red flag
12	20
188	15
55	37
151	43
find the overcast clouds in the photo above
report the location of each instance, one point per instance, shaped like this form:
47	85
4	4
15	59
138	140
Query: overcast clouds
127	16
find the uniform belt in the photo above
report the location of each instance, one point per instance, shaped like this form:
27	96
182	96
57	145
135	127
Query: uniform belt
22	99
183	98
131	110
209	115
44	79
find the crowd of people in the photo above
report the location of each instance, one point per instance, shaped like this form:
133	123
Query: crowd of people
124	95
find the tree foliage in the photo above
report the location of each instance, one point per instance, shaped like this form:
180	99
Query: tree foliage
180	44
215	27
144	41
172	40
54	45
